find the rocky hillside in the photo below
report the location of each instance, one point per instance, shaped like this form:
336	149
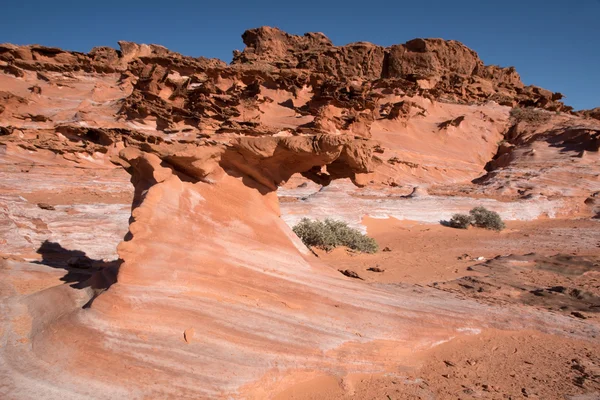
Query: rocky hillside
434	111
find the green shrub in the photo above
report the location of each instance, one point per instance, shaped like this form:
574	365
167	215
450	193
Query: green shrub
478	216
315	233
484	218
461	221
329	234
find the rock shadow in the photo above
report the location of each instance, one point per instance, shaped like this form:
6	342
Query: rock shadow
575	139
81	270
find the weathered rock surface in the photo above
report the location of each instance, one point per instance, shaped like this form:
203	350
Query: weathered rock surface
500	278
205	250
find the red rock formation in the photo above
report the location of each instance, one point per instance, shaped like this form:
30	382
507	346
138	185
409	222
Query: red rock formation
593	113
207	145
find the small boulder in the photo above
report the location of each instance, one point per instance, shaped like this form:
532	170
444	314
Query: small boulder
350	274
579	315
188	334
46	206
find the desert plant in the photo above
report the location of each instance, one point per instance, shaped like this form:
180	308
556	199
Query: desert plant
329	234
529	115
460	221
484	218
315	233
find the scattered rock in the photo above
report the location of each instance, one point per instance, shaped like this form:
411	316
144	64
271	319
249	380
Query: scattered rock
188	334
35	89
557	289
537	292
386	249
577	314
46	206
449	363
350	274
375	269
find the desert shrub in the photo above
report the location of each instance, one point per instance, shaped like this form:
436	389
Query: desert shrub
529	115
350	237
315	233
329	234
460	221
484	218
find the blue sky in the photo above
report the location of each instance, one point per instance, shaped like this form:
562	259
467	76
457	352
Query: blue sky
553	44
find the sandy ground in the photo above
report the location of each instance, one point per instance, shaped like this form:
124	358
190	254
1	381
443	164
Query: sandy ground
427	253
492	364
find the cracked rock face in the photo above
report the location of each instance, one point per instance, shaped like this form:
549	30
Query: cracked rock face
176	161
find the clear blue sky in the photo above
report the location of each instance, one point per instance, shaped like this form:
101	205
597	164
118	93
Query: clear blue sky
553	44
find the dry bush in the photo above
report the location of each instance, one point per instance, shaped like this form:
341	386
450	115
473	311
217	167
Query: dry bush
529	115
329	234
460	221
478	216
484	218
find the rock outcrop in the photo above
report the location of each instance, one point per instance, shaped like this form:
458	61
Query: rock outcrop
593	113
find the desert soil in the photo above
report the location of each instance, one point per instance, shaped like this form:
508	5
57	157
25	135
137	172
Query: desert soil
493	364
